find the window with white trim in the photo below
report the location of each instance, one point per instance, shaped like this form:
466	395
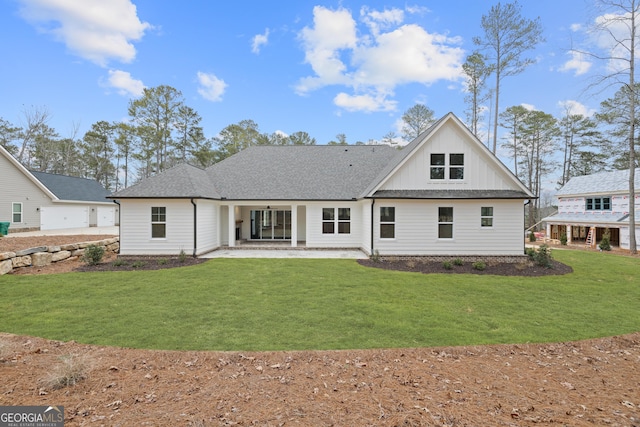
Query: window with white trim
387	222
486	216
445	223
16	212
158	222
440	163
336	219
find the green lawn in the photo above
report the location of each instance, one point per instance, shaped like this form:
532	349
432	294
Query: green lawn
280	304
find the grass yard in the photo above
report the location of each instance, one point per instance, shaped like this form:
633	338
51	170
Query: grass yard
280	304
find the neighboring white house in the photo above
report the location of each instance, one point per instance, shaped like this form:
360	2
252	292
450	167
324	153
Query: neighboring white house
443	194
599	201
31	200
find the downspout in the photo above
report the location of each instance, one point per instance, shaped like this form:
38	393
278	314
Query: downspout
119	221
526	237
195	227
373	202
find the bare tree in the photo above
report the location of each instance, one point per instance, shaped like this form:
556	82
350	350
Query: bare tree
618	21
34	120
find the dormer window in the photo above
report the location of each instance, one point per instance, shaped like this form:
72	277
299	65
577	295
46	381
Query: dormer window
440	163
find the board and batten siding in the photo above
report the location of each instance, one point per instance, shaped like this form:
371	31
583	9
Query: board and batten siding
135	227
416	228
315	237
480	171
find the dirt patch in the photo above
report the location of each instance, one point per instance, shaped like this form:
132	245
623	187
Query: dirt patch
584	383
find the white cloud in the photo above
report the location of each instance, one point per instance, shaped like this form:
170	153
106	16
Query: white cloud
367	103
125	84
575	107
259	40
529	107
613	39
96	30
211	87
576	27
578	64
372	64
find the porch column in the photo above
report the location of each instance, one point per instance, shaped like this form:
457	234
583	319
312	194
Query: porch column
294	226
548	231
569	233
232	226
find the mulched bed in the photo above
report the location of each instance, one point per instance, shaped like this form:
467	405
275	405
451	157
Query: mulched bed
134	263
418	265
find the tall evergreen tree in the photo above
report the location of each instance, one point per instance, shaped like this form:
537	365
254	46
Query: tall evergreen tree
507	37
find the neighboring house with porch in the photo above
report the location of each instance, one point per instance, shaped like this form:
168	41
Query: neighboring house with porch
443	194
31	200
595	204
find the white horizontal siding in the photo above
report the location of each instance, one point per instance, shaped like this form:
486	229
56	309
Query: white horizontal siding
480	169
315	237
416	230
135	227
208	231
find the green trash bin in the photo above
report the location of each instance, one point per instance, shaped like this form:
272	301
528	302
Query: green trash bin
4	228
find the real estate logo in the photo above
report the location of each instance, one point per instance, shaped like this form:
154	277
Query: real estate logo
31	416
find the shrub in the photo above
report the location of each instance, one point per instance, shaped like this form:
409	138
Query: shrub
375	257
182	257
72	369
532	236
137	264
457	262
119	262
563	239
605	244
479	265
447	265
93	254
541	256
162	261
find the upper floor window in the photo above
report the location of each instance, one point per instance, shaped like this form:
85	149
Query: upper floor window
598	203
336	219
440	164
16	210
387	222
158	222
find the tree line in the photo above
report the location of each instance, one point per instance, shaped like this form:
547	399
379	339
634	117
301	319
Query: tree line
162	130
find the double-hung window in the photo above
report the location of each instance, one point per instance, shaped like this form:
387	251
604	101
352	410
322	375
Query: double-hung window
440	164
486	216
16	212
445	223
158	222
598	203
387	222
336	219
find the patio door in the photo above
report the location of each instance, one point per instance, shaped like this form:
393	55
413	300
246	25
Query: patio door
270	224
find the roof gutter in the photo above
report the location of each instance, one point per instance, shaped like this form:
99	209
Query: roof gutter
119	218
195	226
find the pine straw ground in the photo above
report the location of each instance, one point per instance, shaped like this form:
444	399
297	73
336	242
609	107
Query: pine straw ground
586	383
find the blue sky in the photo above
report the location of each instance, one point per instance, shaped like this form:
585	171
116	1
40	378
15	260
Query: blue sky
324	67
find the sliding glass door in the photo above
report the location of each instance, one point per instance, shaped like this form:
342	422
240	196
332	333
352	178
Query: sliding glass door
270	224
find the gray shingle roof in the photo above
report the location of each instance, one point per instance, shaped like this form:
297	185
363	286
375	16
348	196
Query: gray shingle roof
450	194
599	183
318	172
72	188
181	181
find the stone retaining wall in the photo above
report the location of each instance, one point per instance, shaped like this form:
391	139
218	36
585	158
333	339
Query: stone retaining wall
44	255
